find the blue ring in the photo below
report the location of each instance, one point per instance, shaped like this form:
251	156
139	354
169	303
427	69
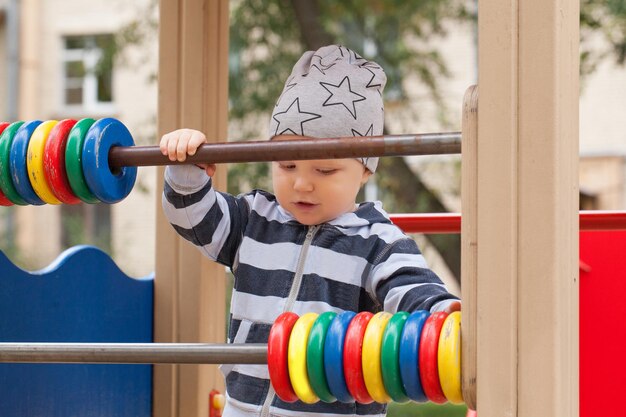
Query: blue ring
17	163
333	356
107	186
409	355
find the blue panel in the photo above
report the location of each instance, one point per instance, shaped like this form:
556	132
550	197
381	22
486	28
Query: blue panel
81	297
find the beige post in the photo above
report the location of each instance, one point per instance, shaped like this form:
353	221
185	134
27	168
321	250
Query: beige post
469	279
190	289
527	226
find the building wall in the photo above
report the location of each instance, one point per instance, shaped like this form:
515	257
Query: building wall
44	24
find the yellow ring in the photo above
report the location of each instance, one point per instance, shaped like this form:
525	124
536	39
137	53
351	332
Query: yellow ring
296	358
372	371
449	358
34	162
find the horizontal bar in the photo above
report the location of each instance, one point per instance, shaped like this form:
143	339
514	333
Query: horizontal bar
590	220
182	353
295	150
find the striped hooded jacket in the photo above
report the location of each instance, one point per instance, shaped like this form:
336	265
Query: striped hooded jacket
359	261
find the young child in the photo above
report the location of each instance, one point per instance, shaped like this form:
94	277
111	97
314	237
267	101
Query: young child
308	247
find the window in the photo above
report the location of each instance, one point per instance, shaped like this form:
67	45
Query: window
88	73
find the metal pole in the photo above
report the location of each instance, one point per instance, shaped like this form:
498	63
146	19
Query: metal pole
196	353
301	149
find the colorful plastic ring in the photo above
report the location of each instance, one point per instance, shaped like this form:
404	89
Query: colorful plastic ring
391	357
429	344
409	355
296	358
109	186
17	164
74	161
277	347
54	162
6	182
333	356
4	201
353	357
34	162
372	367
449	357
315	357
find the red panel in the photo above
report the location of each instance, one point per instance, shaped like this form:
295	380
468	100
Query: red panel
602	323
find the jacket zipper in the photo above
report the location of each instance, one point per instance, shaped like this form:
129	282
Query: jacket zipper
291	299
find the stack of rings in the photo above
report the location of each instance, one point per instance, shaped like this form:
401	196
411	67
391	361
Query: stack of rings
55	162
365	357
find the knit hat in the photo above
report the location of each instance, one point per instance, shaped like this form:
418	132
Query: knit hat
332	92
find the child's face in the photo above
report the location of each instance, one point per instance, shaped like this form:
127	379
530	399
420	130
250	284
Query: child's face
317	191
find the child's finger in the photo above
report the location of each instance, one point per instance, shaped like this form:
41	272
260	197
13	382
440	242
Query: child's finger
171	144
197	138
210	169
163	144
183	145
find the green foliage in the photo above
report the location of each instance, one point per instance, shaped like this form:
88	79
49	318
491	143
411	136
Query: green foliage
604	20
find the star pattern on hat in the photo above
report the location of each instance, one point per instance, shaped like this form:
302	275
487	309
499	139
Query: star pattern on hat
342	94
368	133
364	160
287	88
293	116
319	66
369	83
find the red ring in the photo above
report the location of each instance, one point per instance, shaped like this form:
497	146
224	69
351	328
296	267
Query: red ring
429	369
277	347
54	162
4	201
352	357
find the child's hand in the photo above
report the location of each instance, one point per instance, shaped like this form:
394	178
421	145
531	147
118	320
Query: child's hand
178	144
452	307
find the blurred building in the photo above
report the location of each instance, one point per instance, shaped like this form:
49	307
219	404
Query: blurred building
55	63
52	67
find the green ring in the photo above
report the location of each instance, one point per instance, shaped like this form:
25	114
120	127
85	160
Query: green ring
6	183
315	357
73	161
390	351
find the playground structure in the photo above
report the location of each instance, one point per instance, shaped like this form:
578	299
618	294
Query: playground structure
523	221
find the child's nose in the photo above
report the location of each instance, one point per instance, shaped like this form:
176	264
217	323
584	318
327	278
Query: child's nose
302	184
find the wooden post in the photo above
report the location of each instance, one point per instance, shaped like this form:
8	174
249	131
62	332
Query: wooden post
527	225
190	289
469	273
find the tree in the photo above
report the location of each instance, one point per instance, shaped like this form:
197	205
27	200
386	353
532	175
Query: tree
269	36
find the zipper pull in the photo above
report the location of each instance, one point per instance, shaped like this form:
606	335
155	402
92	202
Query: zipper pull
312	230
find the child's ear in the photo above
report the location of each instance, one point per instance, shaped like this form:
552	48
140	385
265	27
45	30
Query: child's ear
366	176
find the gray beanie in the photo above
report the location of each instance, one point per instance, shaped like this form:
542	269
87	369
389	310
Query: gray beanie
332	92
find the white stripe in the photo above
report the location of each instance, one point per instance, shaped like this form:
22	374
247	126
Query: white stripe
186	217
389	233
269	209
266	309
222	231
321	261
395	295
257	371
318	307
392	264
260	309
270	256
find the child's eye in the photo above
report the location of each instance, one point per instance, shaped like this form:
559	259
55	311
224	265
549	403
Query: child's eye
326	171
287	167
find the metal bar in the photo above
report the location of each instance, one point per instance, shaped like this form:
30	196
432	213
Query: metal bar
301	149
196	353
590	220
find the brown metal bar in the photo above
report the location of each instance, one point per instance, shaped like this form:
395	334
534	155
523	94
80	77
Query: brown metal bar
301	149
